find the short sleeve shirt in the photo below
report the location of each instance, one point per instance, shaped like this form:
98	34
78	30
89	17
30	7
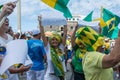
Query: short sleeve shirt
36	51
92	67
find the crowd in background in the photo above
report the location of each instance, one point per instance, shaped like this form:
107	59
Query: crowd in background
61	56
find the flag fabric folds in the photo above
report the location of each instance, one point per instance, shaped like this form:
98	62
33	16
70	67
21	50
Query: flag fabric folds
88	17
1	6
109	23
60	5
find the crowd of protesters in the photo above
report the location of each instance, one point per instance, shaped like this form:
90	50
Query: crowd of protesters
86	55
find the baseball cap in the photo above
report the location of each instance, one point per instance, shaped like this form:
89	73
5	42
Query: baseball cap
35	32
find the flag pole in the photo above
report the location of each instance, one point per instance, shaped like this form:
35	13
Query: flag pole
19	16
101	11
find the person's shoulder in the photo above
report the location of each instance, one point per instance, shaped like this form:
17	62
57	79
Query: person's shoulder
94	54
30	41
94	59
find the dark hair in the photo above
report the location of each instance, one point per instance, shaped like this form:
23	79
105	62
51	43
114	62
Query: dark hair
22	36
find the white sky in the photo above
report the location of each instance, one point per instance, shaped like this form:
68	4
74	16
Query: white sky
30	9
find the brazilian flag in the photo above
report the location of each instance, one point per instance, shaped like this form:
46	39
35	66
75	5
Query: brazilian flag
111	21
60	5
88	17
1	6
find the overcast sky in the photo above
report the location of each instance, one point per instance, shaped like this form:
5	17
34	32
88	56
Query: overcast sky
30	9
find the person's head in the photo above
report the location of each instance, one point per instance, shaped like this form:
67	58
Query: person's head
23	36
5	25
69	38
36	34
88	38
16	35
10	31
55	40
28	36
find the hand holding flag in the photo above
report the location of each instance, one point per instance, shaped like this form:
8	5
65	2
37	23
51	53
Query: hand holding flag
6	10
109	23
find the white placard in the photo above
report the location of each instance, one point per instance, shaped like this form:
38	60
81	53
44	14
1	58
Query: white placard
28	61
16	53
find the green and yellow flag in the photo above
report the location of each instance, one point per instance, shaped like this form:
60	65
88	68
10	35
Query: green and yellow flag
88	17
1	6
60	5
109	23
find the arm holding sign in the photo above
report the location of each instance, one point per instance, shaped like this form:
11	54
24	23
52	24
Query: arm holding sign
21	69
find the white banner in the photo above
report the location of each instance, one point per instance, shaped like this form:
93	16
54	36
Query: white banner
16	53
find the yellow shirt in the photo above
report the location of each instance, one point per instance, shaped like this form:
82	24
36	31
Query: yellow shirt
92	67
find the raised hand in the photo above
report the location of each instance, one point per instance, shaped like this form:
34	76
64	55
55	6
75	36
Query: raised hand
8	8
39	18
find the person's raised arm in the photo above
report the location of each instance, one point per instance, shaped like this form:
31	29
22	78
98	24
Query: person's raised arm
42	31
114	57
73	36
64	35
7	9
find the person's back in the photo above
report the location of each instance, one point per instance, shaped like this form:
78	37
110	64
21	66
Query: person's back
36	52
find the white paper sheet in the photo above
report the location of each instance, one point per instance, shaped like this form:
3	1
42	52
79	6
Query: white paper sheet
28	61
16	53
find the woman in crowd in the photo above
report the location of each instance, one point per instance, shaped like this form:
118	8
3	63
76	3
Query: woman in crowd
54	49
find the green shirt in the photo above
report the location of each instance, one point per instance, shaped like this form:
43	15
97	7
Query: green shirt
77	65
92	67
76	62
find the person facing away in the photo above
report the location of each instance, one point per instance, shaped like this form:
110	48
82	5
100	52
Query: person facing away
54	46
38	56
97	65
10	74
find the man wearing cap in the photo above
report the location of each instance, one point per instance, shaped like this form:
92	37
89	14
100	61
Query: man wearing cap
38	56
96	65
